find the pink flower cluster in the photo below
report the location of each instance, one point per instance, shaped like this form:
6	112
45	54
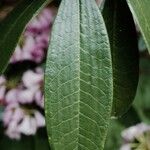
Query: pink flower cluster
34	42
18	118
24	103
135	133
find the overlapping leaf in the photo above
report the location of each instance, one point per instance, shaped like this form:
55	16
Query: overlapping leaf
124	49
78	81
141	12
142	102
13	25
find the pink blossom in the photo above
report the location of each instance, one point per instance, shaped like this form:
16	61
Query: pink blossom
11	96
126	147
2	93
12	106
18	114
42	22
17	117
28	126
49	15
40	120
29	46
2	89
2	80
11	118
38	55
35	25
34	85
19	121
42	40
133	132
26	96
36	37
31	79
12	113
12	131
7	117
39	98
18	55
39	70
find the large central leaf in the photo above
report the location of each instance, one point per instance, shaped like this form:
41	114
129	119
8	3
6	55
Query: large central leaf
78	82
124	49
141	12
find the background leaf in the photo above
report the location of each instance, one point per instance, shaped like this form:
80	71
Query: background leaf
114	139
78	81
13	25
140	10
36	142
142	102
124	49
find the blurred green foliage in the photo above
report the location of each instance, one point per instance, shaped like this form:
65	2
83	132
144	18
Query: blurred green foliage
140	110
37	142
114	140
142	100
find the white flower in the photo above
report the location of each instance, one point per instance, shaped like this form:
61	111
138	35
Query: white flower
135	131
28	126
26	96
18	114
40	120
39	98
2	92
126	147
2	88
2	80
12	115
12	131
11	96
31	79
7	117
17	56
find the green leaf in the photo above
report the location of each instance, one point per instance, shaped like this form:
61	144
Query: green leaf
78	81
26	143
124	49
1	112
114	139
36	142
142	102
140	10
13	25
41	140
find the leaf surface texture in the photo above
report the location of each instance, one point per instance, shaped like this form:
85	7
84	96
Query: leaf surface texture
141	11
78	81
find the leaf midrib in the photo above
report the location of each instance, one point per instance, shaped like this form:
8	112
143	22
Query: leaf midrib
80	90
79	104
